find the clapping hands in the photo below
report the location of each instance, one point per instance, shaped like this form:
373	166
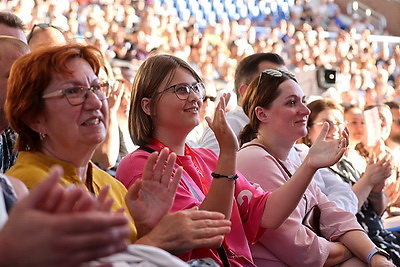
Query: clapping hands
324	153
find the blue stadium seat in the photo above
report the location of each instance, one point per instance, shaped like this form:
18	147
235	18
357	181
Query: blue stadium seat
208	11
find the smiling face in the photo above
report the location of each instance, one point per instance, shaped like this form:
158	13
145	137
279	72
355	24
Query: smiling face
288	114
173	114
68	128
336	124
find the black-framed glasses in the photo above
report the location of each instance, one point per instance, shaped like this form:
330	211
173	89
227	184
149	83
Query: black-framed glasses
276	73
42	26
76	95
182	90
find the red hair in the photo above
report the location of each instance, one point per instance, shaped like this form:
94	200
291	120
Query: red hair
30	75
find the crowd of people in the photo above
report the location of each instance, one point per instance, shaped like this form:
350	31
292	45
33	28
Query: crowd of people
177	145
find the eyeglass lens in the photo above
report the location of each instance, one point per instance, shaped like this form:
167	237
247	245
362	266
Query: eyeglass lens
182	91
77	95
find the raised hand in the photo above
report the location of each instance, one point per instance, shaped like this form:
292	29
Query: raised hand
150	198
226	138
377	171
392	191
325	153
115	95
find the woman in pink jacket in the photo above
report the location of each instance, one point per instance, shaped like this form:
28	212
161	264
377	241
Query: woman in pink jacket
275	104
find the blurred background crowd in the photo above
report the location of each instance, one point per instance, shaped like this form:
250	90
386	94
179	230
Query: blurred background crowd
214	35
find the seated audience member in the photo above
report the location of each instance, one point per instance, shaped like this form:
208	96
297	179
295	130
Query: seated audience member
369	187
377	133
393	143
12	25
166	100
11	48
355	122
248	69
274	103
45	35
118	142
52	216
62	118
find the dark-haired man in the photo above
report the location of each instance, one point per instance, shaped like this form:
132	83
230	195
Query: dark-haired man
12	25
247	70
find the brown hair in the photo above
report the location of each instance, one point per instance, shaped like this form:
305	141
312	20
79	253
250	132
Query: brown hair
248	68
148	79
30	75
262	91
317	107
11	20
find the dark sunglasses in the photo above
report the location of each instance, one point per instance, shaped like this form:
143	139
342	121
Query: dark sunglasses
42	26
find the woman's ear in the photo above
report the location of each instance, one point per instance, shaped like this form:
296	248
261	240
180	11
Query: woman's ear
38	124
146	105
261	114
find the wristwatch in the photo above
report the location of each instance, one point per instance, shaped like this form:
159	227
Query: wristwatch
377	250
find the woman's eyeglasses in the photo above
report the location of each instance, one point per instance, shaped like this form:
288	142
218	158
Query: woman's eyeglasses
276	73
331	123
182	91
77	95
42	26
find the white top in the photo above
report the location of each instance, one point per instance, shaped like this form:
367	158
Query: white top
236	118
333	187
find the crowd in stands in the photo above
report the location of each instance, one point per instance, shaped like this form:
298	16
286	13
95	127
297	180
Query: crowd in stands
128	31
133	97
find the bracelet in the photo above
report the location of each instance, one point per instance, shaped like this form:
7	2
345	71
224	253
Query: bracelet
230	177
377	250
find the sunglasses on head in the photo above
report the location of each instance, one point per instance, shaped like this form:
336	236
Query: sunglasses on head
42	26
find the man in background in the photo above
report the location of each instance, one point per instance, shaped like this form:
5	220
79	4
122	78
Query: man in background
247	70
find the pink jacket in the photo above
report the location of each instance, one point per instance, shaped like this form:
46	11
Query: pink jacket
246	214
292	244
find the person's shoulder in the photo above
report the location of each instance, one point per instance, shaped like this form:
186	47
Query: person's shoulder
29	174
131	167
19	187
252	147
102	178
136	158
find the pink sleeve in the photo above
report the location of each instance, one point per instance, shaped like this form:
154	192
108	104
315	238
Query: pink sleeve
131	168
250	199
